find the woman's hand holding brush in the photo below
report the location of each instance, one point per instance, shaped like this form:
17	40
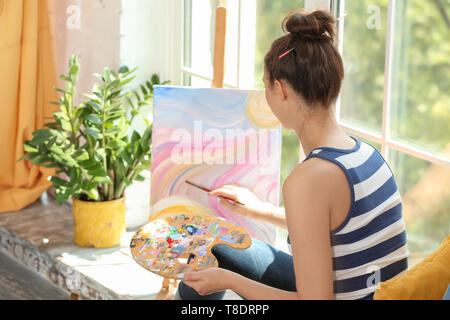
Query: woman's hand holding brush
251	206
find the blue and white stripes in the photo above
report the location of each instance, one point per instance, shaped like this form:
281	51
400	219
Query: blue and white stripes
370	245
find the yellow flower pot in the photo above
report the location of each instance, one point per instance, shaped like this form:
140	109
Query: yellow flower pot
98	224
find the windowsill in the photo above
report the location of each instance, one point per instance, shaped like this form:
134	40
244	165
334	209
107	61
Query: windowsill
41	237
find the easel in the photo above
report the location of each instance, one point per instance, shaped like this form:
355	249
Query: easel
169	286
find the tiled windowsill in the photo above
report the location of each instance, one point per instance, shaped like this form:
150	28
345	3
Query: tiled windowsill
41	237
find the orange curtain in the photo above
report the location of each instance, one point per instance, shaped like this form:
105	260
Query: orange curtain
27	74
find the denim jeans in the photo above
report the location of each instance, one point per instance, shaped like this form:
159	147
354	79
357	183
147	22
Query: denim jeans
260	262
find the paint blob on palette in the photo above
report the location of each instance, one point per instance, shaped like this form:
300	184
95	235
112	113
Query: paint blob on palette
213	137
164	244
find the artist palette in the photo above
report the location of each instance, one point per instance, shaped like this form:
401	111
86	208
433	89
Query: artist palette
164	245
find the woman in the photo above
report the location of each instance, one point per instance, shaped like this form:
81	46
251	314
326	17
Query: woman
343	211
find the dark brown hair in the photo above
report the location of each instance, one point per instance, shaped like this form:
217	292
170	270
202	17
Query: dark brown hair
314	68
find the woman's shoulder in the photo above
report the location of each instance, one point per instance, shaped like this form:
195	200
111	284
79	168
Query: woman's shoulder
314	169
316	174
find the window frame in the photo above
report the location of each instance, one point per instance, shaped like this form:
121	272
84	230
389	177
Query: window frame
245	47
387	143
337	7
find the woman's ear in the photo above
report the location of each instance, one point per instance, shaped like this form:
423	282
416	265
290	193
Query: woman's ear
280	89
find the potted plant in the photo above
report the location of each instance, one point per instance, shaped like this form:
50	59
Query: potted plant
94	154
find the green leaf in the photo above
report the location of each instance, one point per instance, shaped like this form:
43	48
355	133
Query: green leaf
120	171
139	178
81	155
130	103
60	90
113	95
95	170
107	74
115	144
126	74
99	154
155	79
92	193
94	106
51	125
147	122
62	195
144	91
125	155
101	179
138	97
51	165
113	84
29	156
92	97
65	78
124	69
88	184
127	181
93	132
58	182
147	138
99	94
112	131
116	115
99	77
38	160
94	118
40	136
126	81
74	69
29	148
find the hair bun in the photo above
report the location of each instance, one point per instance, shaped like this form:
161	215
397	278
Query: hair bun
317	25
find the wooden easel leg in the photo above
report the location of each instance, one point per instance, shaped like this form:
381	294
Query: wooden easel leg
74	296
168	289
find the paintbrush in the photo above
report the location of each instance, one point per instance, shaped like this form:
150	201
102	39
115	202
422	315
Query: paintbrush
208	190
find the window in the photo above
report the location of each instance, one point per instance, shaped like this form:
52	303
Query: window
425	189
198	43
252	25
396	96
269	15
363	86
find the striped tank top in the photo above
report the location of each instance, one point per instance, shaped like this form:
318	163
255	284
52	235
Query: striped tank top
370	245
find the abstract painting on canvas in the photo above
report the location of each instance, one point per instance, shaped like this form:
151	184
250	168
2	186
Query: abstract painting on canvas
212	137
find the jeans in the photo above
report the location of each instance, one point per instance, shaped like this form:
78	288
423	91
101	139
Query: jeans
260	262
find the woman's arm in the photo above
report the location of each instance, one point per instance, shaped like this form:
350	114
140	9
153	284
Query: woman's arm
253	207
306	196
218	279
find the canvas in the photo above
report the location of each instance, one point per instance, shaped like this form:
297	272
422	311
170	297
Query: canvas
212	137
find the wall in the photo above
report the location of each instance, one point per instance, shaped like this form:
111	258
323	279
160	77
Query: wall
89	29
112	33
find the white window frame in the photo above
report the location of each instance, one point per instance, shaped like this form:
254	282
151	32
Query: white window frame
246	48
384	139
245	72
158	36
246	45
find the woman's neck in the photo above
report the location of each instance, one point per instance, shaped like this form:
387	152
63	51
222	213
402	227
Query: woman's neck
320	129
